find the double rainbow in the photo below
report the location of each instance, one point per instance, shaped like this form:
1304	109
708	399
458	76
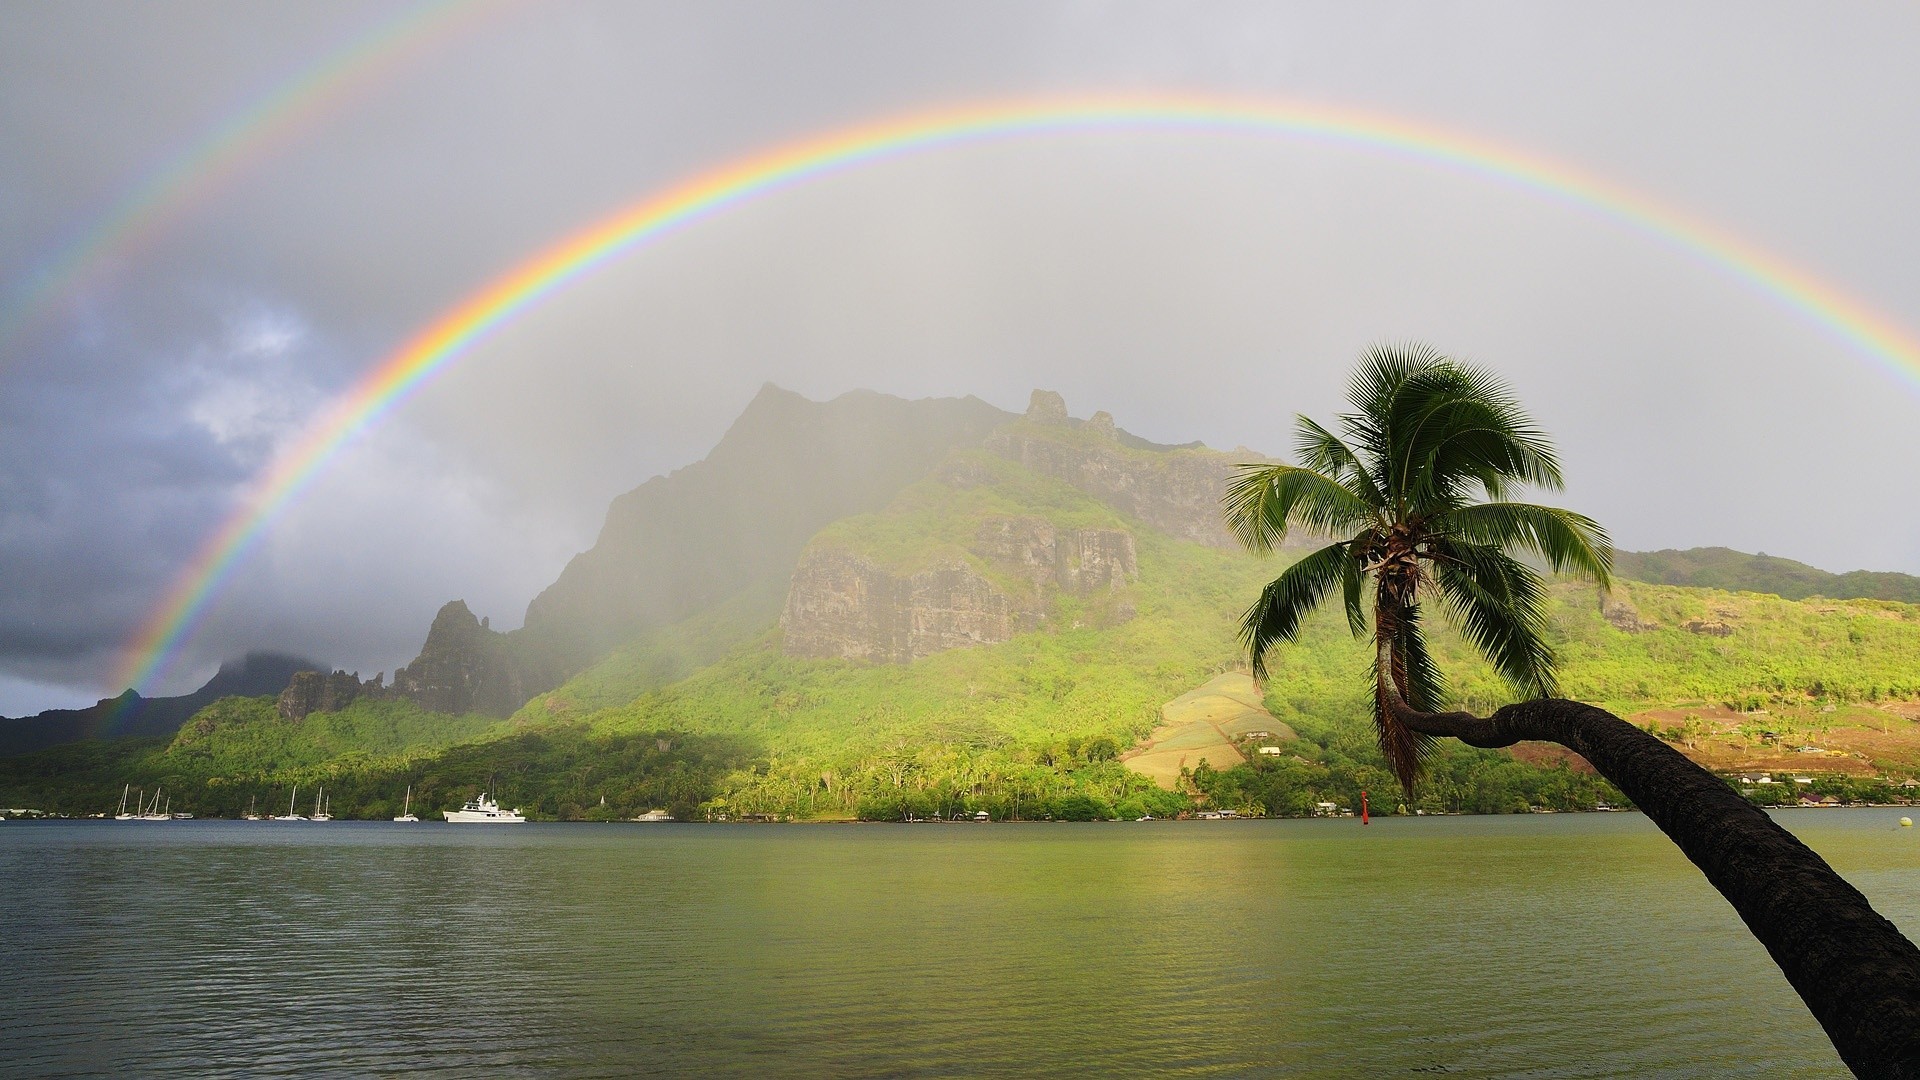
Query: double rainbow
552	270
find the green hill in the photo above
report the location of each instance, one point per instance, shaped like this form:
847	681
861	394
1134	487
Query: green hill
1737	571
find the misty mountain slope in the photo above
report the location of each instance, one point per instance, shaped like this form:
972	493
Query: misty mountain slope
1047	505
1724	568
133	717
679	544
985	607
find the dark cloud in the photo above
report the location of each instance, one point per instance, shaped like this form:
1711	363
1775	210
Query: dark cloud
1195	287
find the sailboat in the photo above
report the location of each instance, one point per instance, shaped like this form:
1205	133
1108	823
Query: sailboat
251	814
320	806
289	815
406	809
153	813
123	815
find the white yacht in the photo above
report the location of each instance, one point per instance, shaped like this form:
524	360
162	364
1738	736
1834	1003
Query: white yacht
484	809
406	809
141	801
322	810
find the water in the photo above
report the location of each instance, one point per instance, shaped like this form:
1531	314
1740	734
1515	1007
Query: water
1540	946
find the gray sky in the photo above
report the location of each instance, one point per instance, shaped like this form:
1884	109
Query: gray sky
1195	286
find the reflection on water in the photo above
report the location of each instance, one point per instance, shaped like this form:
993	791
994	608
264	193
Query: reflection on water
1566	946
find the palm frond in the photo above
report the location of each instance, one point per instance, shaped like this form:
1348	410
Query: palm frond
1457	427
1322	451
1264	501
1567	542
1353	584
1499	603
1276	615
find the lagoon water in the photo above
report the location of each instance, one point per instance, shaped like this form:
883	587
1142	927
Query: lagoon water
1540	946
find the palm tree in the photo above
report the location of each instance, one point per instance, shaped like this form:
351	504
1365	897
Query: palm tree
1427	435
1418	490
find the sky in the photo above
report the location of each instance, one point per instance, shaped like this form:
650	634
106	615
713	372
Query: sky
1196	286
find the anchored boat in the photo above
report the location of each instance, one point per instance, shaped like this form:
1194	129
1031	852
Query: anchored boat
406	810
484	810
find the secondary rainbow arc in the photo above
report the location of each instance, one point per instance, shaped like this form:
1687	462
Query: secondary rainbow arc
268	120
441	342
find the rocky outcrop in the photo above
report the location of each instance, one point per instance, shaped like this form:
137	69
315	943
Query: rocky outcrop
843	605
311	692
1175	490
1621	613
1079	561
467	667
1047	407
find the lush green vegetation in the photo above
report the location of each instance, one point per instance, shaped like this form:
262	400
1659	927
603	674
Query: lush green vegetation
242	737
563	772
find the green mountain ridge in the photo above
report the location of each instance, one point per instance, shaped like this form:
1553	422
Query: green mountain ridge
1724	568
997	633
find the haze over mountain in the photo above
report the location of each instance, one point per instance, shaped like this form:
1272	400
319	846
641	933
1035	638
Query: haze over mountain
735	541
132	716
876	606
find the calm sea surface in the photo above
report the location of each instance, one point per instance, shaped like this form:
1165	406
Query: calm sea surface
1546	946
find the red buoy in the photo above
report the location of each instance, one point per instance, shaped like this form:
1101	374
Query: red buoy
1363	808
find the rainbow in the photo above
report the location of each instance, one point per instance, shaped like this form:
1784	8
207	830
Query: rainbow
270	120
448	337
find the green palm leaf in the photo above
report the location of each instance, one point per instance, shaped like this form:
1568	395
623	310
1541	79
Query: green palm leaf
1264	501
1499	604
1567	542
1287	599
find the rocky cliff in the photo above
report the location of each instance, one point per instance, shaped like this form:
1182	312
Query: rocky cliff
468	667
313	691
1176	490
842	604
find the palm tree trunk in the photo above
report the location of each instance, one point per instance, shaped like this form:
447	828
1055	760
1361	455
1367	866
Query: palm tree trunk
1853	968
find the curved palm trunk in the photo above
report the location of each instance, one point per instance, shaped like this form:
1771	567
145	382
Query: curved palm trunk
1854	969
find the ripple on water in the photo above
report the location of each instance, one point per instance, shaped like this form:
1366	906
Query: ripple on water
1526	947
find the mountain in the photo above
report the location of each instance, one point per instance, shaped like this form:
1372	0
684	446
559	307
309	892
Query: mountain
1030	615
132	716
724	533
1737	571
788	467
